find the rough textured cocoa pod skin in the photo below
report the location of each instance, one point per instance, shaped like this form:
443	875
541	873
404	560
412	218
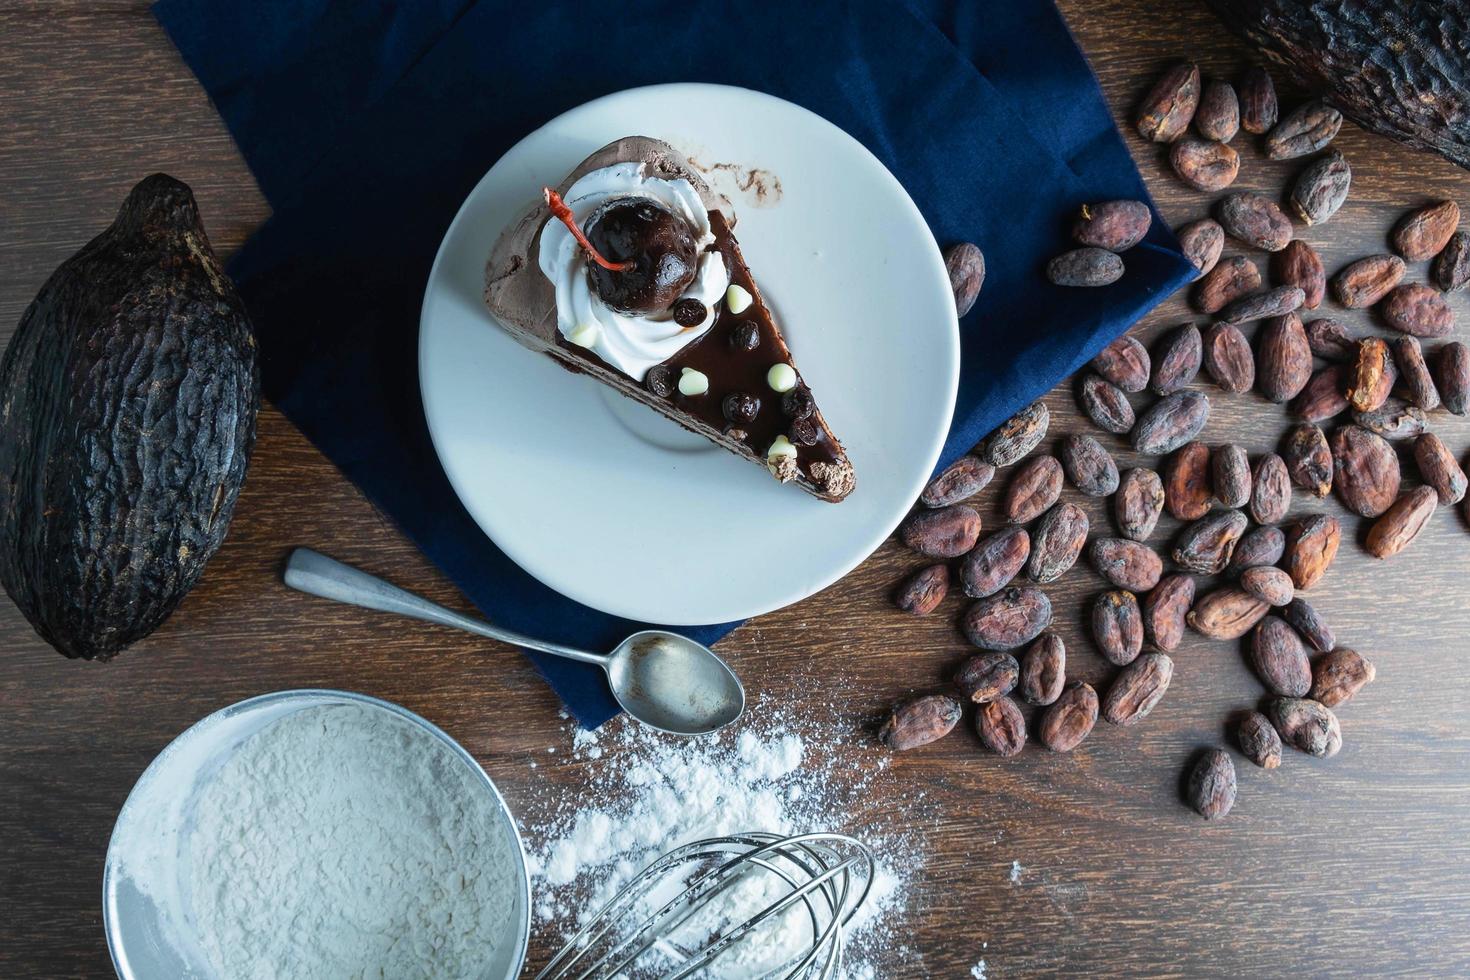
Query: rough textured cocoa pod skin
1105	403
1371	378
1204	165
1298	264
1167	109
1423	232
1230	474
1329	340
1255	220
1001	727
1258	106
1188	483
1126	564
1401	523
1114	225
1171	422
1218	114
1279	658
945	532
1228	358
1367	470
1395	420
1311	544
1137	689
1414	373
1324	397
1418	310
1164	610
1089	466
1227	613
1087	266
991	564
1206	545
1307	621
922	592
1138	503
1258	546
1070	718
1201	241
1305	130
1306	725
1211	785
1009	619
1117	626
1320	189
1362	283
1058	541
919	722
1451	269
1339	675
987	676
1438	468
1229	280
1270	489
1259	741
966	267
1178	361
1032	491
959	481
1125	363
1452	372
1270	585
1043	670
1284	358
1308	459
1017	436
1277	301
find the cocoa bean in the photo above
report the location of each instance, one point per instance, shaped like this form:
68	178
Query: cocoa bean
1306	725
1167	109
1188	489
1204	165
1423	232
1126	564
1125	363
1339	675
1401	523
1007	620
1171	422
1088	266
1138	503
1270	489
1070	718
922	592
1270	585
961	480
1164	610
1308	459
1367	470
1211	785
1396	420
1306	130
1089	466
1320	189
1362	283
1284	358
1279	658
1017	436
1255	220
1138	687
987	676
1227	613
1258	546
1372	375
1451	269
1308	622
997	559
1259	741
1229	280
1329	340
966	267
1418	310
1043	670
1105	403
1057	543
1257	101
1413	370
1311	544
1032	491
1228	358
1201	241
1001	727
1324	397
1117	626
945	532
1275	302
1452	372
1230	471
1298	264
919	722
1218	114
1438	468
1114	225
1206	545
1178	361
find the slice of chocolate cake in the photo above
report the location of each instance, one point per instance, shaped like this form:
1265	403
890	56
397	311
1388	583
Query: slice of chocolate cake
629	271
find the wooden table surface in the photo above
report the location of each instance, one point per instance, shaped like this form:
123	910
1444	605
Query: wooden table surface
1351	866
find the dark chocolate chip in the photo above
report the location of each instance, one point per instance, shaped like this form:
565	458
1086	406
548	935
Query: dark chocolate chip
689	312
660	380
803	432
745	336
798	402
741	408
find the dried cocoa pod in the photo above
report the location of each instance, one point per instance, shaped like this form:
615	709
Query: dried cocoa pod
1279	658
1311	544
1413	371
1452	372
1171	422
1125	363
1401	523
1211	785
1204	165
1114	225
1320	189
1258	106
1306	130
1138	687
1308	622
1089	466
1206	545
1017	436
1255	220
1308	459
945	532
987	676
1423	232
1001	727
1258	546
1218	114
1230	472
1227	613
1070	718
961	480
1169	106
1089	266
1201	242
919	722
1138	503
1270	585
997	559
1325	395
1117	626
1057	543
1188	490
1395	420
1360	284
922	592
1284	358
1105	403
1259	741
1043	670
1228	358
1164	609
1032	491
1306	725
1438	468
1451	269
1228	281
1126	564
1178	360
1367	470
1372	376
1270	489
966	267
1418	310
1338	675
1329	340
1277	301
1009	619
1298	264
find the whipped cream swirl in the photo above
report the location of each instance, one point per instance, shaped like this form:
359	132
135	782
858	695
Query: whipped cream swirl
632	343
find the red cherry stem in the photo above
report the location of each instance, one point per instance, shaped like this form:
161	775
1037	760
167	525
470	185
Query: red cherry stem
559	208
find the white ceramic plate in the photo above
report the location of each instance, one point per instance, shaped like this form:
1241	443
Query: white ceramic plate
619	508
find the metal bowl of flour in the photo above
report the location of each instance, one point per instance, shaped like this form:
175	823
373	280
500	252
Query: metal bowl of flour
148	900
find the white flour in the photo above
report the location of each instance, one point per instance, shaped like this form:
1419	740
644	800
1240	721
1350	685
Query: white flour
343	842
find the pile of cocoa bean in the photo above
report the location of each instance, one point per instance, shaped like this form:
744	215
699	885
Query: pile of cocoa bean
1374	391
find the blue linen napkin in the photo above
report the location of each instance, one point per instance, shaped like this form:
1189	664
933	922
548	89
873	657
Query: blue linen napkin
367	123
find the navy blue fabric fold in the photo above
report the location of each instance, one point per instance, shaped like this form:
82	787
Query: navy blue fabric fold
367	128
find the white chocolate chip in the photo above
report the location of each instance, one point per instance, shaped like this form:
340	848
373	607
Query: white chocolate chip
736	299
781	459
781	377
584	334
692	382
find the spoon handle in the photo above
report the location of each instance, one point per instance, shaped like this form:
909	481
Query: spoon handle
315	574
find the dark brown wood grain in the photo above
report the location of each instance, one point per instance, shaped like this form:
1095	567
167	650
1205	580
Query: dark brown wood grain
1351	866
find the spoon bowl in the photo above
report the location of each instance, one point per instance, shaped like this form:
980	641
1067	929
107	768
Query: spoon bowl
674	684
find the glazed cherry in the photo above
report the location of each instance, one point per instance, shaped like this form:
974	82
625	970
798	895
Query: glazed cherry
643	255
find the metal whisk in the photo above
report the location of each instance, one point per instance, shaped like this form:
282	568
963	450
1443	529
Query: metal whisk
638	932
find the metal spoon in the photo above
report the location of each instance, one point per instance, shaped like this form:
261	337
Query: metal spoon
664	680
